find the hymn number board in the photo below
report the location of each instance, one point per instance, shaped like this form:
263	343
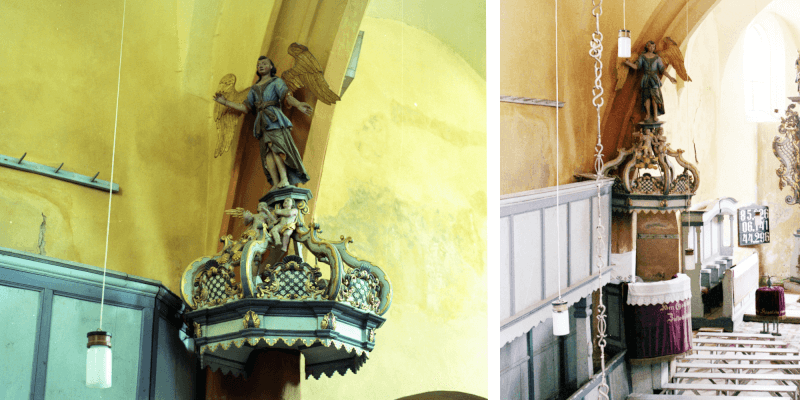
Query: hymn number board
753	225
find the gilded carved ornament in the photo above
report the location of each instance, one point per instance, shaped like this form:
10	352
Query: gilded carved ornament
328	321
651	153
281	281
215	285
786	146
251	320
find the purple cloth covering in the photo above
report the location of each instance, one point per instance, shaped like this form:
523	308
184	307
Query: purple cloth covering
770	302
659	330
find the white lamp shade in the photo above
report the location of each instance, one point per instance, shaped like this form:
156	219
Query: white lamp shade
98	360
560	319
688	260
98	367
624	44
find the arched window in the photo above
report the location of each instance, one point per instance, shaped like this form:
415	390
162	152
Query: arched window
763	72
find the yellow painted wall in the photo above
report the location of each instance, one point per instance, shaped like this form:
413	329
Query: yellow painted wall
59	86
405	176
691	112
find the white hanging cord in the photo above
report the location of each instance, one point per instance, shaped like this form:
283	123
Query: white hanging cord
596	52
623	14
113	153
558	182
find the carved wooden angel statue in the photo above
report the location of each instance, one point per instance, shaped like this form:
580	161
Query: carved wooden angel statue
654	64
280	158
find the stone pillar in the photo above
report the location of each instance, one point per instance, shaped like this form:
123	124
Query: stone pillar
697	293
583	338
272	375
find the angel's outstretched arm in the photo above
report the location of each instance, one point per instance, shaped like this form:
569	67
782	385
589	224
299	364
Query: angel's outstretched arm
632	65
302	106
220	98
236	212
671	79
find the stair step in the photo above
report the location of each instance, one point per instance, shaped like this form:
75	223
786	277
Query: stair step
729	376
729	387
638	396
745	349
736	366
736	335
740	342
741	357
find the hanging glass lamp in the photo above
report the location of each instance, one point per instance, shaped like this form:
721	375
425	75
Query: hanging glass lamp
98	360
560	318
624	43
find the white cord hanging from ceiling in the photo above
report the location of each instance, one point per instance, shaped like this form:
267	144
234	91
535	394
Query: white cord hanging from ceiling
560	307
113	154
98	353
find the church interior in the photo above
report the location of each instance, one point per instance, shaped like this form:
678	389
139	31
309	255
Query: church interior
648	224
116	178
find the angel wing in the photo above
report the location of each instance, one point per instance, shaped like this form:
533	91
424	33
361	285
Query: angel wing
307	72
227	118
670	54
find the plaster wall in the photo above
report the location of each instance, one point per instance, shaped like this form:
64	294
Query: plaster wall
405	177
691	112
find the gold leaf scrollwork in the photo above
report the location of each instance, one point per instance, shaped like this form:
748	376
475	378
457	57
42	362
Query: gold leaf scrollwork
277	276
372	335
251	320
303	207
371	301
217	279
787	149
198	331
328	321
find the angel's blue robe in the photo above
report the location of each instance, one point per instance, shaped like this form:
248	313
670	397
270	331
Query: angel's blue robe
274	130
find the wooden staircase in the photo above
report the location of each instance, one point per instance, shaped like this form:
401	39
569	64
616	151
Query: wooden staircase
733	365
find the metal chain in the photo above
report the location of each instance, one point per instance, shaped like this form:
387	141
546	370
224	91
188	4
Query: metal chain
596	52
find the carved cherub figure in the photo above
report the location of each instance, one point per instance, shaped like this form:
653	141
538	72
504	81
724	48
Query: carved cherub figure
256	221
283	230
280	158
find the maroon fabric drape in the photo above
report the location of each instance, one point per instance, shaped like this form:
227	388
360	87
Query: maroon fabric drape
659	330
770	301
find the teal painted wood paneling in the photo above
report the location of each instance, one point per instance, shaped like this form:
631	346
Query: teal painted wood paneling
66	366
19	315
175	365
